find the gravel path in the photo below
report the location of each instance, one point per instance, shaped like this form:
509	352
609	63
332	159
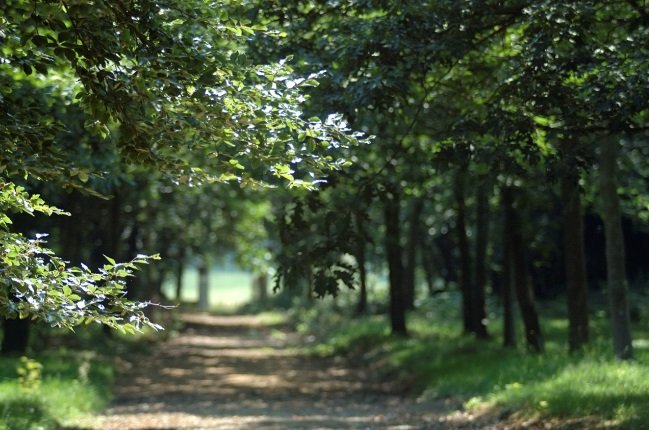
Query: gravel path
232	372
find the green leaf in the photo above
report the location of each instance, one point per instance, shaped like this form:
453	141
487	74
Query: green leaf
83	176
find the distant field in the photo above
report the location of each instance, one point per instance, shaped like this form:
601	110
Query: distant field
227	287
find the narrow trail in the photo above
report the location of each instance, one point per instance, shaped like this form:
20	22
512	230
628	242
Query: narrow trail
232	372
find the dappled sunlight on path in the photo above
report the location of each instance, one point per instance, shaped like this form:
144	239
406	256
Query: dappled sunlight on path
236	373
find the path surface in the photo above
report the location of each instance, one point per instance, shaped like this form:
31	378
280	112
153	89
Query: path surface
235	373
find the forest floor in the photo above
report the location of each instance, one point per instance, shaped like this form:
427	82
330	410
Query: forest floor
235	372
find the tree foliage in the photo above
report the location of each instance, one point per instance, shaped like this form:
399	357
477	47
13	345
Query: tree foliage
162	84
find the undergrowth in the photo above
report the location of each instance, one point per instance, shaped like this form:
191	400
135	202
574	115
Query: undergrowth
62	377
437	361
68	385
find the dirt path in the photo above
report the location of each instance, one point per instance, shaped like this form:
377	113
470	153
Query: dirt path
234	373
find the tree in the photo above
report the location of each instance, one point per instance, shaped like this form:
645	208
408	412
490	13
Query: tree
580	73
504	91
615	260
168	85
576	283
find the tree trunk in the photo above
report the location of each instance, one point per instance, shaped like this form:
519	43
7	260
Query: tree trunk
180	271
428	262
444	243
71	237
533	334
575	260
509	331
114	227
464	256
309	284
15	336
615	258
409	276
393	253
203	285
134	286
261	282
481	243
361	306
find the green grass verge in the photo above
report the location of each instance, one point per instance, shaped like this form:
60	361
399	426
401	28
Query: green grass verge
228	288
440	363
70	384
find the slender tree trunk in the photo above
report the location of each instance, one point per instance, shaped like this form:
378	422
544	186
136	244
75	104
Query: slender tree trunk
203	285
481	243
180	271
309	284
615	258
70	235
361	306
262	287
152	275
114	227
509	332
445	246
523	290
15	336
409	276
133	291
428	264
575	261
395	264
464	256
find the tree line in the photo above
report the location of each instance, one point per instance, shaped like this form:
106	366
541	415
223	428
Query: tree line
507	151
495	124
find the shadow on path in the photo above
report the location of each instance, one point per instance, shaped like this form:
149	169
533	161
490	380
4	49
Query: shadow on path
233	372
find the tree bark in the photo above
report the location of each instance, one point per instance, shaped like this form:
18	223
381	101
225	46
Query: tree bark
481	243
409	276
530	318
464	256
615	258
395	264
509	331
575	260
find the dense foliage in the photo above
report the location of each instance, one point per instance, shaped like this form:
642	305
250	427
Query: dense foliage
89	85
490	118
473	103
506	172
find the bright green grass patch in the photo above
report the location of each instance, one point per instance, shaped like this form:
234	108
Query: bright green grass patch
439	362
612	391
227	288
69	385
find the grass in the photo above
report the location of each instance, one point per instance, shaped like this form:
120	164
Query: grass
438	362
228	288
68	376
69	385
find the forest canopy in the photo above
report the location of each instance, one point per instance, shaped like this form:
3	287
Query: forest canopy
89	88
452	193
503	131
